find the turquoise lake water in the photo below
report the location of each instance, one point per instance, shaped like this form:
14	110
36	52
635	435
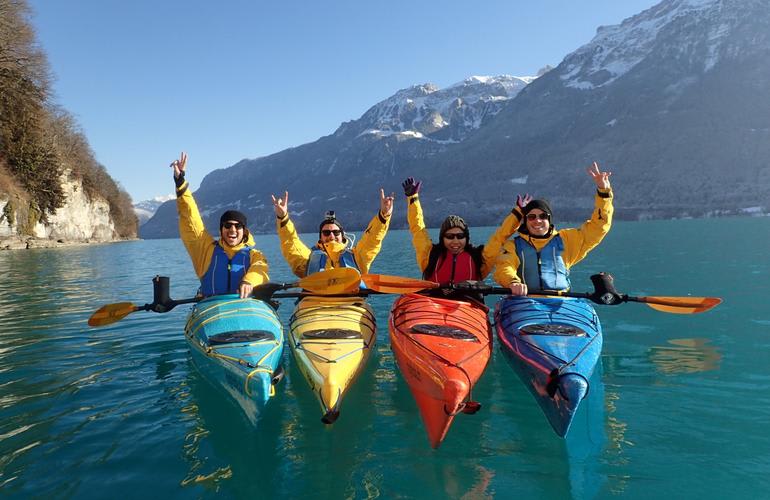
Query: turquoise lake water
681	408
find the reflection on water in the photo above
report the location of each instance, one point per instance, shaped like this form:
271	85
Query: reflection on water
686	356
122	412
617	443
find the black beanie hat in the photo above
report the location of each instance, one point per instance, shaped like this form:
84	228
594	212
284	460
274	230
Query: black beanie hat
539	204
330	218
233	215
454	221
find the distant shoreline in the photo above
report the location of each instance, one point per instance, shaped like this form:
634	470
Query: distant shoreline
30	242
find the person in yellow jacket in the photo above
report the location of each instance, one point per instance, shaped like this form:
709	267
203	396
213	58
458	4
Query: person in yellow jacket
230	264
454	259
334	248
540	256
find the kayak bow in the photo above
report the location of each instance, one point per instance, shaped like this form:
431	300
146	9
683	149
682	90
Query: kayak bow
331	338
237	344
442	347
553	345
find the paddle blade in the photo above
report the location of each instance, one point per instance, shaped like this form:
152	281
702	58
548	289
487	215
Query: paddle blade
111	313
339	280
384	283
680	305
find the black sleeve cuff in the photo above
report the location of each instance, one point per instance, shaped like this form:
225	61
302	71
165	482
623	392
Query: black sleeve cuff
179	180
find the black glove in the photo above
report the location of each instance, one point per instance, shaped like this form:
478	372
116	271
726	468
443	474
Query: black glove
179	180
411	187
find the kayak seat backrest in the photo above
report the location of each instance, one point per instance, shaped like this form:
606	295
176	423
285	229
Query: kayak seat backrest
451	332
553	329
332	333
241	336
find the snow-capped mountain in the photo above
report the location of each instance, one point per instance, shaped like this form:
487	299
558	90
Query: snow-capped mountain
416	122
675	101
616	50
444	115
146	209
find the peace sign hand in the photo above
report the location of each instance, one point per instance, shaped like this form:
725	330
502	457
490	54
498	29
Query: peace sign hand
386	203
179	165
523	201
281	205
601	179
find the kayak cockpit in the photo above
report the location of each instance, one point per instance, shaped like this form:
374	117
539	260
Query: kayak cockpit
240	337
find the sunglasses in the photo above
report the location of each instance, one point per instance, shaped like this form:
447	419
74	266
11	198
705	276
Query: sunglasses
455	236
236	225
543	216
329	232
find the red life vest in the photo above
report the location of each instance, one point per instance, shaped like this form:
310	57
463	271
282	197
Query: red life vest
454	269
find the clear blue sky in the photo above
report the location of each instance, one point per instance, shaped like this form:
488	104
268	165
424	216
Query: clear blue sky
242	79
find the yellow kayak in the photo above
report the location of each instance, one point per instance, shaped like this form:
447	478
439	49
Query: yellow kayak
331	338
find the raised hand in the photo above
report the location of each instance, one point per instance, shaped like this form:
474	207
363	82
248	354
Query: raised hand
386	203
179	165
281	205
411	187
601	179
523	201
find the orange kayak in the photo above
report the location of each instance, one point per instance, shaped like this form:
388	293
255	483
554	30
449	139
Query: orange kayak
442	347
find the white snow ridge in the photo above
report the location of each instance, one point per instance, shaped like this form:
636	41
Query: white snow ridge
616	50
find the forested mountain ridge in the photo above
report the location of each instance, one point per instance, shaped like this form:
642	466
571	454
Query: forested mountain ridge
675	101
51	185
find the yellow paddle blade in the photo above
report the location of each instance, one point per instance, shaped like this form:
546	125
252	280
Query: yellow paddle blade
338	280
384	283
681	305
111	313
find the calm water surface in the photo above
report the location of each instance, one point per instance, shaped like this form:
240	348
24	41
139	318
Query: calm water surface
681	407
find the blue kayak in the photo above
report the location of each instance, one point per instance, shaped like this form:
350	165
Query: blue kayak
553	344
237	345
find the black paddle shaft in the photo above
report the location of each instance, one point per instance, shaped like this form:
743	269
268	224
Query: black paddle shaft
604	290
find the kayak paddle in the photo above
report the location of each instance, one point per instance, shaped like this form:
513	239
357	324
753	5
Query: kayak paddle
605	294
375	284
161	303
333	281
384	283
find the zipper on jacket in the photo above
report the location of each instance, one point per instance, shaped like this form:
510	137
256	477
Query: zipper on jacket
452	276
540	271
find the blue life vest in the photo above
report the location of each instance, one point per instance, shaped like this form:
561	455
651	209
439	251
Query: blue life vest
224	275
544	270
317	261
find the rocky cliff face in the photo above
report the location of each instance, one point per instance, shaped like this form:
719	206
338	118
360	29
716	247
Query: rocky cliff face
80	219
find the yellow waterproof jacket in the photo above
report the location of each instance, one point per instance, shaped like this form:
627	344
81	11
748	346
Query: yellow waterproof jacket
577	242
423	244
200	244
297	253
